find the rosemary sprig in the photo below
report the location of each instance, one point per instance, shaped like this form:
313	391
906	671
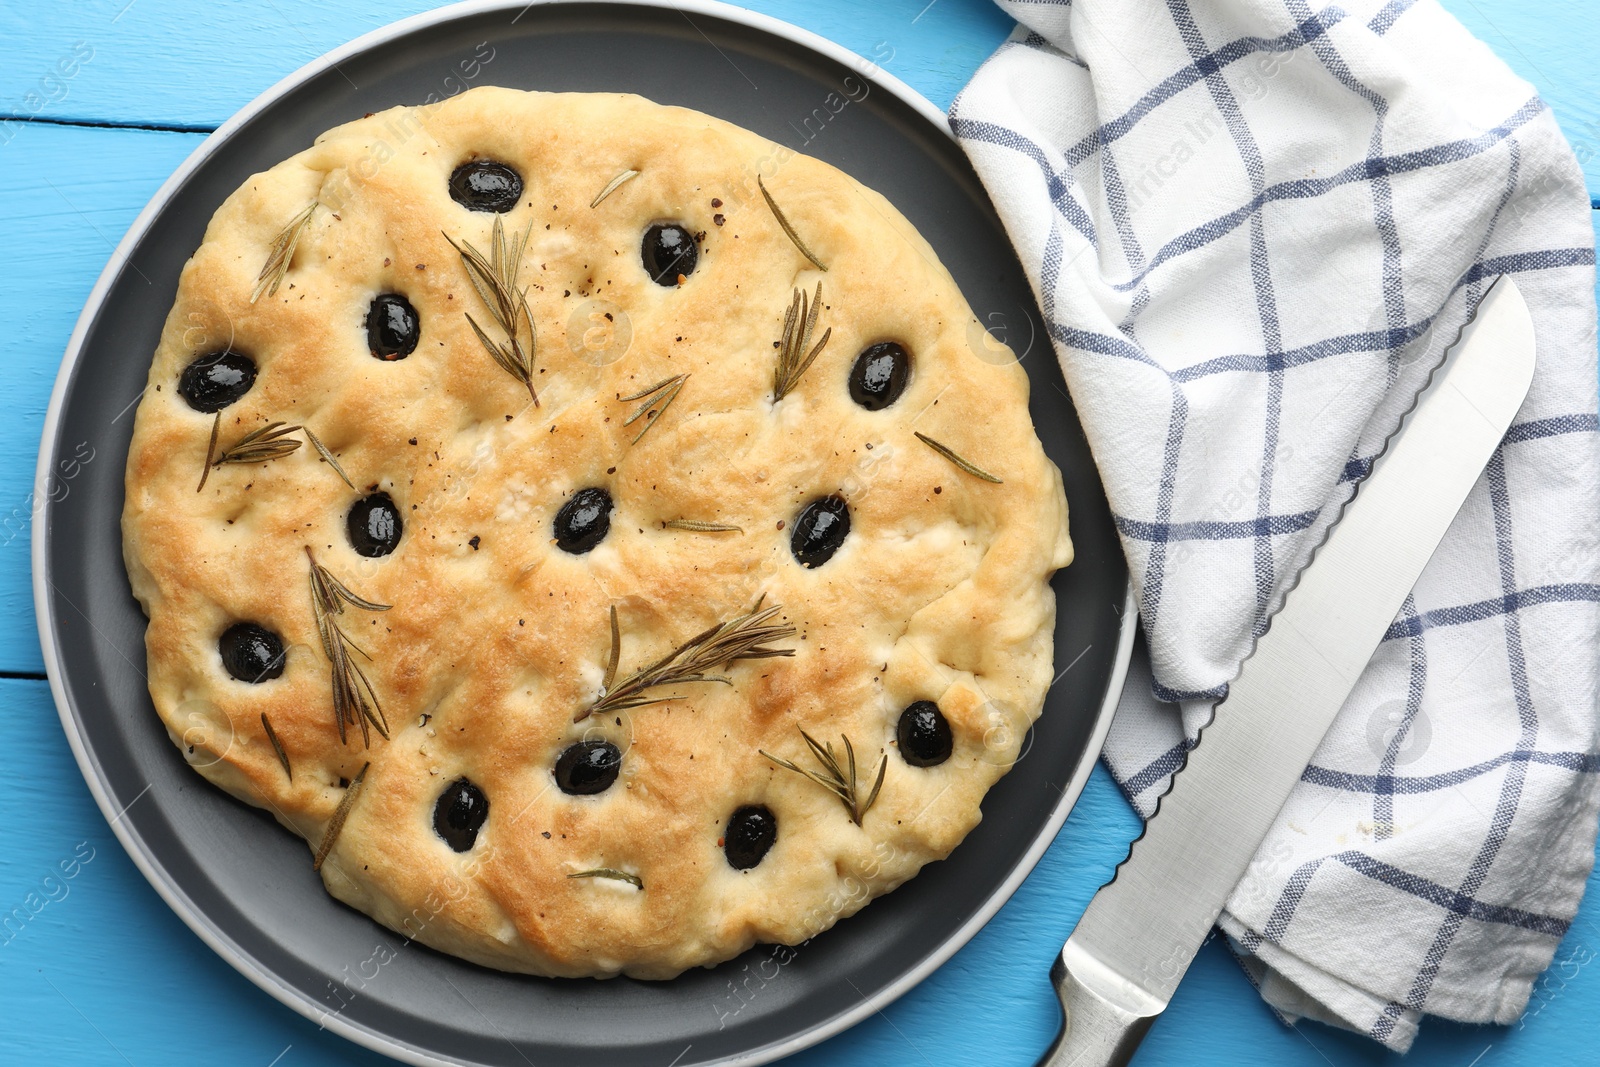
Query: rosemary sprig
970	468
211	450
354	699
495	278
277	265
340	813
616	652
793	360
700	527
277	746
738	638
777	213
838	780
611	186
657	398
269	442
612	873
322	449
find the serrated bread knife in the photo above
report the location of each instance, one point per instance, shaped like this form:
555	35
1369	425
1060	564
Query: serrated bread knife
1132	946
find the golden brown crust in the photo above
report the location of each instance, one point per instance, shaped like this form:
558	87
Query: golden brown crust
496	636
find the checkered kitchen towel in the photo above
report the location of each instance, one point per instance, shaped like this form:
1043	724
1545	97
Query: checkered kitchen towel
1253	227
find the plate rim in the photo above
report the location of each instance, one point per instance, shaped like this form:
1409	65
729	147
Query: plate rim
160	880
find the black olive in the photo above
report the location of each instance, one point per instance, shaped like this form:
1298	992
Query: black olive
484	185
820	530
668	251
215	380
459	814
583	521
374	525
251	653
588	767
392	327
751	831
924	735
879	375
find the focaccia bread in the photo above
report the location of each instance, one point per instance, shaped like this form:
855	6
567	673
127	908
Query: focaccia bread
591	496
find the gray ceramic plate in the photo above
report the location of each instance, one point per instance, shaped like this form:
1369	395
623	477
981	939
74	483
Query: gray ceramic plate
242	883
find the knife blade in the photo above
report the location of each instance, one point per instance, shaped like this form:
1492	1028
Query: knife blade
1133	944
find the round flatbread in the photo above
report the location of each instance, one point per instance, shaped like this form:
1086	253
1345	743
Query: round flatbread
535	678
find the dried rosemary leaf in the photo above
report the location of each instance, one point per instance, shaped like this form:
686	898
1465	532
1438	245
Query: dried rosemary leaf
612	873
777	213
739	638
282	254
657	398
616	651
277	746
269	442
840	780
975	471
700	527
211	450
322	449
340	813
355	702
611	186
495	278
793	359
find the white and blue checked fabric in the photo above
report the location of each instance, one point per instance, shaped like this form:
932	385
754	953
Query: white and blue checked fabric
1253	227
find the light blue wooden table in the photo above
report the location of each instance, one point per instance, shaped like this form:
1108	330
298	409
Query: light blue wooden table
110	95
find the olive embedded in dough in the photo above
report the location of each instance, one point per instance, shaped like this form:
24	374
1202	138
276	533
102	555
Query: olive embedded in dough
583	521
751	832
374	525
588	767
459	814
392	327
250	652
924	735
880	375
669	252
215	380
486	185
820	530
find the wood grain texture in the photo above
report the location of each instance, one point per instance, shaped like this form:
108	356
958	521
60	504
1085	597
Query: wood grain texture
105	973
1551	43
156	62
175	62
63	208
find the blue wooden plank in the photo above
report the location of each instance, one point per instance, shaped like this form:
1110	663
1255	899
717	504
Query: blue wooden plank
63	208
95	969
178	62
183	63
1552	44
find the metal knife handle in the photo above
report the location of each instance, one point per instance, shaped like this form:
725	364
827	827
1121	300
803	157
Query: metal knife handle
1103	1017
